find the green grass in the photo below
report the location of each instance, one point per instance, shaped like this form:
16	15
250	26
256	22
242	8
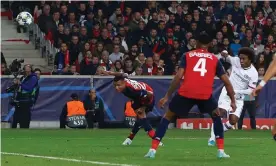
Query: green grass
181	148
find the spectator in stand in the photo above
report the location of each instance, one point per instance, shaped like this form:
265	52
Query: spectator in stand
105	62
65	35
43	18
116	54
149	68
63	13
73	70
52	25
83	52
140	60
138	71
83	35
89	64
258	46
5	70
118	66
134	24
169	33
234	47
160	71
128	67
74	49
62	59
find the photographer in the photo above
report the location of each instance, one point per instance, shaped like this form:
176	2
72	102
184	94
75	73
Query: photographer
95	109
25	92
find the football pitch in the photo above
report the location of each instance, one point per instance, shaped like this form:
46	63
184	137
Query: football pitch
103	147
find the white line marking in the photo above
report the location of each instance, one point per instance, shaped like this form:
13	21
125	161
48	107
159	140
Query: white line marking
169	138
65	159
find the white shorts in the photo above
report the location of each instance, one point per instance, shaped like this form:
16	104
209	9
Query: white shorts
225	103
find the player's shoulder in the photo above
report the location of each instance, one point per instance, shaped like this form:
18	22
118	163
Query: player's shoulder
253	71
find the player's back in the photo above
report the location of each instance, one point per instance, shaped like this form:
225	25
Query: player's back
200	70
134	88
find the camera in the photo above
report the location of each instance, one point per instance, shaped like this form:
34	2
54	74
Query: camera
15	67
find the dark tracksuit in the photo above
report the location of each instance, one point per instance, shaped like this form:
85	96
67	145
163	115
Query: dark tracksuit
94	111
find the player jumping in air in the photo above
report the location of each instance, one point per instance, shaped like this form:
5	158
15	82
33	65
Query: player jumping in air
143	102
199	67
271	71
244	78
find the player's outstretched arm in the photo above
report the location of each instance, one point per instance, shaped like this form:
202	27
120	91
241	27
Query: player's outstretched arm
116	74
271	71
175	83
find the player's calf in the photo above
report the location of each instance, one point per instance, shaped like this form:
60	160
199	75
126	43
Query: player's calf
274	131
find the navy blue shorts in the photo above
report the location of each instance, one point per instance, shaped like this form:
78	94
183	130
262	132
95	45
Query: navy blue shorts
182	105
137	104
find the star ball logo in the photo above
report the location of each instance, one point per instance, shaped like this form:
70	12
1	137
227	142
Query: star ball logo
24	18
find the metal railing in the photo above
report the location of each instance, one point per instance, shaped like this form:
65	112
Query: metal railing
47	49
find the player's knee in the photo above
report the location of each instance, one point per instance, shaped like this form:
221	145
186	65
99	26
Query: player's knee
233	119
169	115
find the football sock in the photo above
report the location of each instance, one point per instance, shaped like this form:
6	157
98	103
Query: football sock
135	129
274	137
213	137
160	132
145	123
219	133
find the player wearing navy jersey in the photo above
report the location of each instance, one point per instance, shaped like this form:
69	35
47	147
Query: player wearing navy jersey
271	71
199	67
142	98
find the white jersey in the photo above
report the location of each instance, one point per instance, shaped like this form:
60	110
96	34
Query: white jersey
241	78
243	82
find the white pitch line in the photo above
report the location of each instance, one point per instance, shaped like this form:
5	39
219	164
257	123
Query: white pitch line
169	138
66	159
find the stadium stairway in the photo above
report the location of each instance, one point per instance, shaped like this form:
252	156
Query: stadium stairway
17	45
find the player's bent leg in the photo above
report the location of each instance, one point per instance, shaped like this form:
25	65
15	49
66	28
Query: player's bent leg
160	132
133	132
212	139
219	134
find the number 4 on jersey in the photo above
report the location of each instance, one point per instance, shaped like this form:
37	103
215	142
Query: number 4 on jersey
201	67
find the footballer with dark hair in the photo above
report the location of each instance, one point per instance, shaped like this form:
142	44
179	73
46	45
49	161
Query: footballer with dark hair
244	78
142	98
199	67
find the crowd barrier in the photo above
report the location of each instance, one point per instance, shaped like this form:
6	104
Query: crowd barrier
47	49
55	91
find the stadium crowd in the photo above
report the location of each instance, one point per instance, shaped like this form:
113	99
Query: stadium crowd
148	38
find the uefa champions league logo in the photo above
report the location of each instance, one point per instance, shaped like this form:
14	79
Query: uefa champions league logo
24	18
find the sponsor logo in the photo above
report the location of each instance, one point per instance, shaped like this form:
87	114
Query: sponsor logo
206	124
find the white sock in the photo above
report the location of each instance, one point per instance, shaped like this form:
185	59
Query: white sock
227	126
213	137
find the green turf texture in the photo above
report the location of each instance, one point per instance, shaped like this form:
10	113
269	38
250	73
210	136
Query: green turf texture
182	148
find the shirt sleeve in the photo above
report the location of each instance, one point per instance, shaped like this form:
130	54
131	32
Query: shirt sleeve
254	80
183	61
235	61
30	84
220	70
